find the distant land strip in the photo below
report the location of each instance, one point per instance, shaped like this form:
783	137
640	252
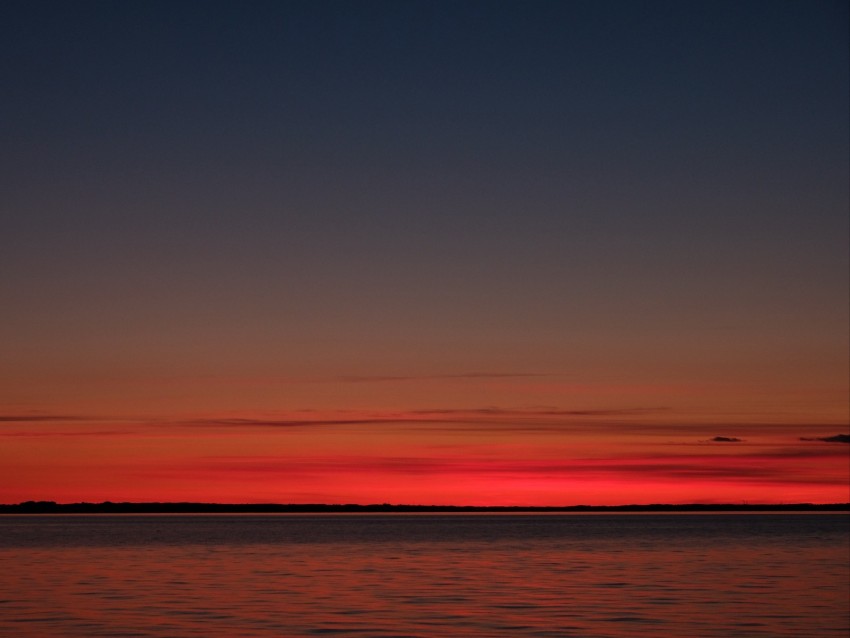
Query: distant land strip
108	507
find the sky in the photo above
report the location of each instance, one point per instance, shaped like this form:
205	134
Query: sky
479	253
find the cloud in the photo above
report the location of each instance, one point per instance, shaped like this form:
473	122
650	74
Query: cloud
631	422
52	425
43	418
285	423
67	434
524	412
524	419
442	377
838	438
805	452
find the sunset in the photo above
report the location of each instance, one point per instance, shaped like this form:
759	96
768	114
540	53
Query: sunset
472	253
486	456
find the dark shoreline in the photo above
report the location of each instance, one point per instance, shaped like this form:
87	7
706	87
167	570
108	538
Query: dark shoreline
49	507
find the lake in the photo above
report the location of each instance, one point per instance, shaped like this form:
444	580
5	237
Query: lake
382	575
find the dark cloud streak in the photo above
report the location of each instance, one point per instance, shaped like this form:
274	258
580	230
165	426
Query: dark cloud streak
442	377
95	433
838	438
44	418
491	416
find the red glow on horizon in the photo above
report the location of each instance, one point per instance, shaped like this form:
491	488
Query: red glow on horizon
816	474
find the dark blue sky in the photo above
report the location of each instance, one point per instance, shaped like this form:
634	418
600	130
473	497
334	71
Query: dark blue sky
514	172
638	91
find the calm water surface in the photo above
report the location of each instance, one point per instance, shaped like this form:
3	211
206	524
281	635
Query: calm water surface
589	576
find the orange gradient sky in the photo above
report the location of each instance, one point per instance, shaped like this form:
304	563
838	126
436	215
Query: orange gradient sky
425	252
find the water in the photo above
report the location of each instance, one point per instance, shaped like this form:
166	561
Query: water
589	576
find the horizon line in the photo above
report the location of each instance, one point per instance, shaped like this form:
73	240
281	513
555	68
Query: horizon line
194	506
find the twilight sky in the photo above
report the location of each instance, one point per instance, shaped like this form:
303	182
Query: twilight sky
424	252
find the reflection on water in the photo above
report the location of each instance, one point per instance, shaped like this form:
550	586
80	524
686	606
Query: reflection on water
425	575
